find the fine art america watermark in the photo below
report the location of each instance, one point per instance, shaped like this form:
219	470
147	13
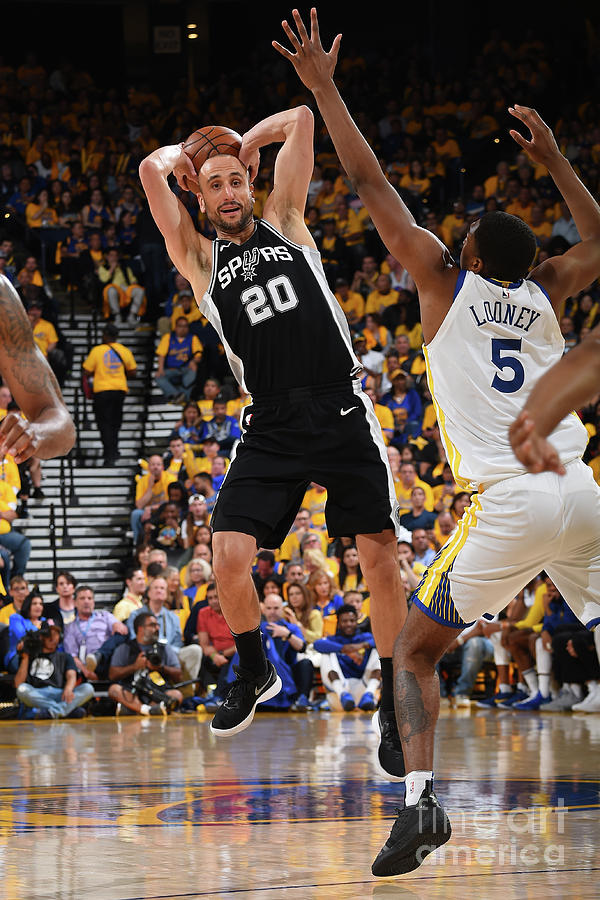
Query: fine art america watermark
519	837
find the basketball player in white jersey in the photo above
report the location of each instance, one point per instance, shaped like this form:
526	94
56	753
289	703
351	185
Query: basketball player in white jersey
490	332
569	384
261	285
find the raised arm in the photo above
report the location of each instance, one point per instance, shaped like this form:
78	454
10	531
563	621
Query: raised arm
47	430
294	164
568	385
565	275
188	249
420	252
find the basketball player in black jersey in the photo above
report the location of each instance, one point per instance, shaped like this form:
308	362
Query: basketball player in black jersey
261	284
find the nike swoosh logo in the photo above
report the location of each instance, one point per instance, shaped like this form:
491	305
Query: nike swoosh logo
258	690
344	412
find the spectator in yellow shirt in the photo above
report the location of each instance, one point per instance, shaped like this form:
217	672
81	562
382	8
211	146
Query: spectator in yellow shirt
352	303
110	364
178	355
150	493
383	295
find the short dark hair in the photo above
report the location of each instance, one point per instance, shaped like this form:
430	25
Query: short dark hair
141	619
83	587
154	570
506	245
345	608
68	576
267	555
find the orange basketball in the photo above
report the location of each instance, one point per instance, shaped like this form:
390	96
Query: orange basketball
211	141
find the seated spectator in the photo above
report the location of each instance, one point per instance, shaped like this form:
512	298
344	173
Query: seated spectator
411	571
89	630
132	666
62	610
407	480
350	664
382	296
418	516
285	641
189	656
132	599
291	547
178	355
190	427
225	429
16	545
558	620
460	502
325	597
357	600
46	680
150	493
29	618
216	641
121	292
444	528
300	609
197	517
202	486
164	530
424	552
265	568
372	361
350	576
13	601
46	338
403	396
196	578
472	649
581	669
352	303
184	303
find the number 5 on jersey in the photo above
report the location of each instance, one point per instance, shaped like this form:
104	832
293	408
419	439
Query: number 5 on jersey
261	304
500	348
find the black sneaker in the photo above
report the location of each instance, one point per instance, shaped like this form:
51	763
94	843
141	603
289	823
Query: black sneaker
237	710
389	758
417	832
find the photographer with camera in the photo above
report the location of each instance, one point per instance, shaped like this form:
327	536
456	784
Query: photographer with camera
190	655
142	670
29	618
46	677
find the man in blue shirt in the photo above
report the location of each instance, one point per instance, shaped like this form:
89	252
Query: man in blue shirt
287	641
350	664
225	429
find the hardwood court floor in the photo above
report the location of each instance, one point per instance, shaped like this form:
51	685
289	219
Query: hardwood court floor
125	809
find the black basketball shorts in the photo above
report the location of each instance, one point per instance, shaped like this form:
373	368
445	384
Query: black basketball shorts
328	435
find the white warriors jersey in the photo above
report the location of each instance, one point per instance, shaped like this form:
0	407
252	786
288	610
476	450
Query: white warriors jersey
496	341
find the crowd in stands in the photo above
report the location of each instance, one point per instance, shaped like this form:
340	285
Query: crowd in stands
76	220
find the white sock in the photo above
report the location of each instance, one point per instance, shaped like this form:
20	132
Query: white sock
415	785
531	680
504	688
338	686
592	686
373	685
544	682
521	686
575	689
145	710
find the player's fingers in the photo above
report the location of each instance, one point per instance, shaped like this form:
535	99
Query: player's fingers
335	48
300	26
291	34
517	112
516	136
283	50
314	26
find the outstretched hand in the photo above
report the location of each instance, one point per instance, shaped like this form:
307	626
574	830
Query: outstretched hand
312	63
535	452
542	147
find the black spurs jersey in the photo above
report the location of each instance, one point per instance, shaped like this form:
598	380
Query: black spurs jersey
277	319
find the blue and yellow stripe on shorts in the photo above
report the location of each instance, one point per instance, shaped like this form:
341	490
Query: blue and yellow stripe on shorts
432	595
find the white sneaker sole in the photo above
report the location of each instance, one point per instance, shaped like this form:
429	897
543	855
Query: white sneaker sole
268	695
376	729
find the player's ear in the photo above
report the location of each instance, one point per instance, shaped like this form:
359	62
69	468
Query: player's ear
201	202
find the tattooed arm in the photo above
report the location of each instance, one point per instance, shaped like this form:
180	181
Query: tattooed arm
48	428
